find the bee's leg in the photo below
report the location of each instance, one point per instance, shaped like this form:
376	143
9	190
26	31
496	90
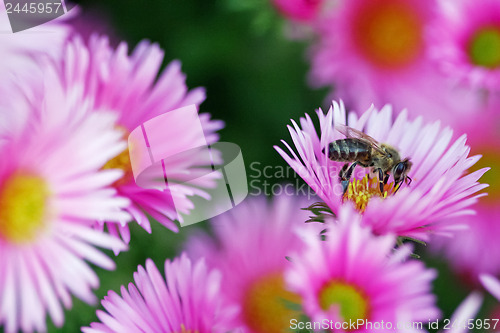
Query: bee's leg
381	180
397	185
343	171
342	178
349	172
386	178
345	176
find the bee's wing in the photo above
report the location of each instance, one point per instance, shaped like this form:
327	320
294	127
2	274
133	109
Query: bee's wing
350	132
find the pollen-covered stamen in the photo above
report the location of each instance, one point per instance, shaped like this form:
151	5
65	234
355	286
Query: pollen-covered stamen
484	47
122	162
352	303
265	306
23	207
361	191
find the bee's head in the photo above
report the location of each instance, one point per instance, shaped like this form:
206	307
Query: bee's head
400	171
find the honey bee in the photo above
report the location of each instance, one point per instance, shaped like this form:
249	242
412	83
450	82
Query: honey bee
363	150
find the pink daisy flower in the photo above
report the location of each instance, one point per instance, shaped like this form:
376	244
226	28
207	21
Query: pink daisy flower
475	251
112	80
251	245
51	192
439	191
187	300
466	42
382	40
354	275
375	51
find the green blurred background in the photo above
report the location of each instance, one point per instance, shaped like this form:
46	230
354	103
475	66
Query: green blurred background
256	82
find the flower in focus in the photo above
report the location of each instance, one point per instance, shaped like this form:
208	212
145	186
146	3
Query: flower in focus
440	190
51	192
466	42
354	275
252	242
112	80
187	300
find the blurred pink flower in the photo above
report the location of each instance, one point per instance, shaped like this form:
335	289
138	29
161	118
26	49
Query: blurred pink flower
475	251
18	48
376	51
354	275
466	42
440	190
187	300
299	10
251	245
382	40
51	192
129	86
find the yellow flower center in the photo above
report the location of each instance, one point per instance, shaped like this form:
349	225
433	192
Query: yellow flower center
122	162
361	191
265	307
352	302
484	47
23	207
388	33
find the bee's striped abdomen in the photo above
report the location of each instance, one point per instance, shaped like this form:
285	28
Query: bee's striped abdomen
349	150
